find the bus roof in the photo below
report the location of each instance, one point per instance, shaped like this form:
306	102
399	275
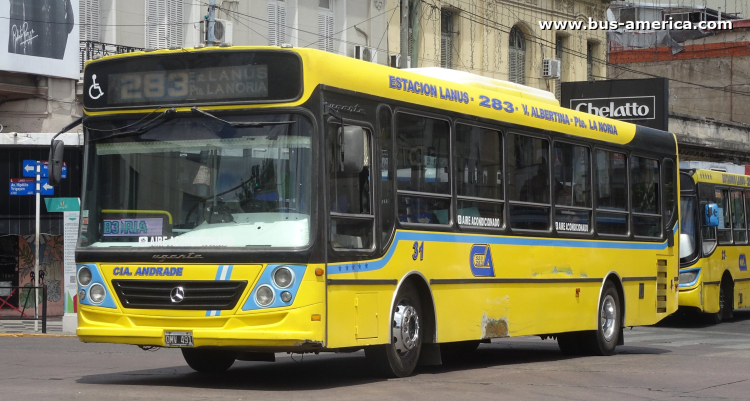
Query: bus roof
721	178
458	91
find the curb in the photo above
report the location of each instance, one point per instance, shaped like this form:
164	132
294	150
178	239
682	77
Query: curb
35	335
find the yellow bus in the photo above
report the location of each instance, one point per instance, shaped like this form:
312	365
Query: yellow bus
242	201
714	242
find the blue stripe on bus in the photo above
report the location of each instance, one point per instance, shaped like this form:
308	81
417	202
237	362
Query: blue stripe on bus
341	268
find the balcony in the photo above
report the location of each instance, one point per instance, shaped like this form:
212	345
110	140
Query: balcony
93	50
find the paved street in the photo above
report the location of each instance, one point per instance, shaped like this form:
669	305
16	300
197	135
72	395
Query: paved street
675	360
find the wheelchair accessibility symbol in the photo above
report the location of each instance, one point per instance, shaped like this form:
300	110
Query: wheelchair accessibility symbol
96	86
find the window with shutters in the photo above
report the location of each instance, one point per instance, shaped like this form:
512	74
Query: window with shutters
88	11
325	25
164	24
446	38
276	23
559	46
517	57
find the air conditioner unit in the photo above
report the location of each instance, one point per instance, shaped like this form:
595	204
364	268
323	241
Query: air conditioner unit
366	53
395	61
222	31
551	68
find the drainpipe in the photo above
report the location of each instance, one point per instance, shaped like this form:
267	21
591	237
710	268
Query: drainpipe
367	38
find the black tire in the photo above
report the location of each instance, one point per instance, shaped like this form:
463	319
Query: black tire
570	343
209	361
387	359
457	351
603	340
725	304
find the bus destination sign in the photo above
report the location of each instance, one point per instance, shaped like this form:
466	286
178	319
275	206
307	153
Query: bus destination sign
196	78
235	82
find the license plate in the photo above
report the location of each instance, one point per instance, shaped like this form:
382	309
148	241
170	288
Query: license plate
178	339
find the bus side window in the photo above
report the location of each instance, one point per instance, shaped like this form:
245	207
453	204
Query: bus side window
479	176
670	186
528	182
350	197
572	188
387	219
422	169
725	220
739	232
611	193
645	197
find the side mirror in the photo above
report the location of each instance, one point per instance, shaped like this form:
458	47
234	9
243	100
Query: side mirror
56	162
352	147
712	215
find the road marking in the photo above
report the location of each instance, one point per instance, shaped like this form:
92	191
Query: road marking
705	340
659	337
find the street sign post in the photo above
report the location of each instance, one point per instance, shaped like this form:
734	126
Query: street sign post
38	185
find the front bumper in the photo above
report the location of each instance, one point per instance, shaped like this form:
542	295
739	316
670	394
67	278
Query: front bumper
692	297
275	331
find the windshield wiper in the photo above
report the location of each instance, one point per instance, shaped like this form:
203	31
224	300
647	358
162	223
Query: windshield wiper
241	124
168	113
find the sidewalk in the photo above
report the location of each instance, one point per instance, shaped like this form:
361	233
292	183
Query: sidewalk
16	326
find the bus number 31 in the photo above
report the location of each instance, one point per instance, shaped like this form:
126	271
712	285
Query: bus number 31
418	250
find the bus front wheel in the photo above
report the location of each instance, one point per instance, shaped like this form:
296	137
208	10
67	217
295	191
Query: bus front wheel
400	356
209	361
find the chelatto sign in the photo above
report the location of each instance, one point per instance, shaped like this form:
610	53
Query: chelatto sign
639	101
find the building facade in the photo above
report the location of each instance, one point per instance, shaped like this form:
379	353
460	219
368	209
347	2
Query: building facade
708	72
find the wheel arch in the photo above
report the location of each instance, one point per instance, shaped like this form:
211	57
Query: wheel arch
420	283
616	280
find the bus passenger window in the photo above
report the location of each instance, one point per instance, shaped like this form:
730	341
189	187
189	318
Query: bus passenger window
725	221
352	221
611	183
738	217
572	187
645	196
422	169
479	176
528	182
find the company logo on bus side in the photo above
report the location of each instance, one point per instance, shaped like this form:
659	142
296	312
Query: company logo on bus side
481	261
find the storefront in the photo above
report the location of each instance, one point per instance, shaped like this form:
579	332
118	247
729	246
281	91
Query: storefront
17	224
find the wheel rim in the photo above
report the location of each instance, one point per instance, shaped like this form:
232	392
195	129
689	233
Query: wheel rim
405	328
607	317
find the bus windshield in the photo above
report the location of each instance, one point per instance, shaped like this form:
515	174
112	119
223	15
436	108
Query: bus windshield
688	228
196	181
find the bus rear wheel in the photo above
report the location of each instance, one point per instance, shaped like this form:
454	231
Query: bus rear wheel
209	361
399	358
603	340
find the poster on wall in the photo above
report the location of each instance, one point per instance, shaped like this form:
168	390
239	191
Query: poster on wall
40	37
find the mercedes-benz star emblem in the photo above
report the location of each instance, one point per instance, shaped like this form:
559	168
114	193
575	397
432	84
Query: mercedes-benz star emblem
177	294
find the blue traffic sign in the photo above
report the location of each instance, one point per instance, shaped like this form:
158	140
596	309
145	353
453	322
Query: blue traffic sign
45	188
29	169
22	186
25	186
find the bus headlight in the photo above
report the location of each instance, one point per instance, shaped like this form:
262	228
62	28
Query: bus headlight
264	295
84	276
81	295
286	296
97	293
689	276
283	277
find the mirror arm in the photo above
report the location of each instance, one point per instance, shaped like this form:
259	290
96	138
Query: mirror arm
67	128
